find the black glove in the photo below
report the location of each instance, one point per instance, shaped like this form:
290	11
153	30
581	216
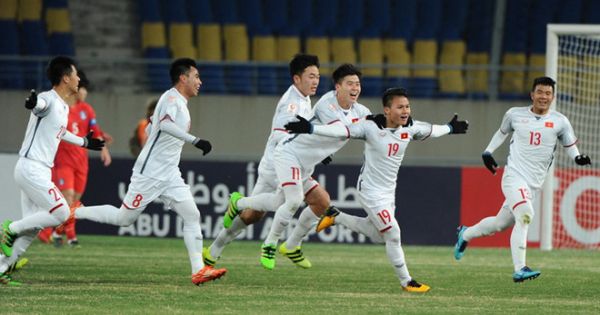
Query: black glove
327	160
378	119
583	159
458	126
300	126
203	145
31	101
489	162
92	143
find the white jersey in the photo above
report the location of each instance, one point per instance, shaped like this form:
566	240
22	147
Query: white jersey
534	141
384	151
312	149
292	103
160	156
45	129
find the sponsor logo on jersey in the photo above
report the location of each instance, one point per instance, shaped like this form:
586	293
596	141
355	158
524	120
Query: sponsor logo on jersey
404	135
549	124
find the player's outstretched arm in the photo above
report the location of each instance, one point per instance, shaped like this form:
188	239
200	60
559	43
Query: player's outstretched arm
583	159
37	107
91	143
300	126
31	101
336	130
379	120
458	126
168	126
489	162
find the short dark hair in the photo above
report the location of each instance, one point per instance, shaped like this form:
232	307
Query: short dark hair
390	93
543	81
301	62
180	66
83	79
58	67
343	71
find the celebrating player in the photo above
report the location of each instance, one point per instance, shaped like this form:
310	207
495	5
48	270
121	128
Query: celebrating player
42	203
384	151
304	71
71	162
156	171
536	130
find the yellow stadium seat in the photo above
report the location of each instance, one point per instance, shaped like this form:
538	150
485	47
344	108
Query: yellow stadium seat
263	48
453	54
588	84
287	47
236	42
371	52
320	47
181	41
153	35
342	50
477	79
58	21
208	41
425	54
513	81
30	10
535	61
397	57
8	9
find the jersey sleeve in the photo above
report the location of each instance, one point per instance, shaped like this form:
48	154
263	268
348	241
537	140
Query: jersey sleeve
324	114
285	114
567	135
506	124
44	102
421	130
168	110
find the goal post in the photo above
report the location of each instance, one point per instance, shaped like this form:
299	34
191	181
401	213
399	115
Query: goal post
570	199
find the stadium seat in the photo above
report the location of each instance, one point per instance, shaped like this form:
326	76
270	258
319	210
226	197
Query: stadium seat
451	81
11	75
398	61
479	31
287	47
208	41
58	27
33	43
477	79
320	47
154	45
371	53
537	66
264	50
237	49
181	41
512	81
342	50
424	80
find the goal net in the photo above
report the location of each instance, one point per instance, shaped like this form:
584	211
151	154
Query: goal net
571	201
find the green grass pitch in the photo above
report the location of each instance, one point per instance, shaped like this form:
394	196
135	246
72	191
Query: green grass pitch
127	275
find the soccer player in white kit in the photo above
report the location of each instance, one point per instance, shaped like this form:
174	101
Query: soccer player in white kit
42	203
156	171
536	129
296	157
304	71
384	151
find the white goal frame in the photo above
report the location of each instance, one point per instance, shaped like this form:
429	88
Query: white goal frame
547	200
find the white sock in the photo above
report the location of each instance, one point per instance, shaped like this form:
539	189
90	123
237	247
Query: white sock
518	244
192	232
226	236
490	225
280	222
262	202
19	247
306	222
395	254
108	214
359	225
40	220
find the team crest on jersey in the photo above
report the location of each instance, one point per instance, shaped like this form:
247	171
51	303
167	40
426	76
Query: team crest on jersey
404	135
355	120
332	106
292	107
82	115
549	124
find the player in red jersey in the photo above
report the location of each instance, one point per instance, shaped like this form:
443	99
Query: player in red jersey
71	162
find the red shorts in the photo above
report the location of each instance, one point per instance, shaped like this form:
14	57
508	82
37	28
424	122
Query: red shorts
66	177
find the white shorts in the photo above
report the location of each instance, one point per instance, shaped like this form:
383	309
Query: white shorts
290	172
38	192
143	190
381	212
516	191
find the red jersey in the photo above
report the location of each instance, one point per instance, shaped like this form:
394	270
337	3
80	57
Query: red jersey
82	119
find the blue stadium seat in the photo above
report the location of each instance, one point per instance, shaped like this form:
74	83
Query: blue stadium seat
377	18
479	34
403	28
11	75
325	14
305	10
570	11
213	78
350	19
276	16
201	12
225	11
158	73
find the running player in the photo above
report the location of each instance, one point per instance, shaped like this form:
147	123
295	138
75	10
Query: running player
42	203
156	172
384	151
536	129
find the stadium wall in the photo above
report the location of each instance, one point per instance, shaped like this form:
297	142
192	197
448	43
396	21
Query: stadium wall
238	126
